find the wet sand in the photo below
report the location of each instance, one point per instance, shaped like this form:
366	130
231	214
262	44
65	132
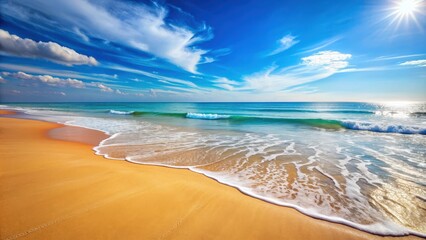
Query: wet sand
7	112
57	188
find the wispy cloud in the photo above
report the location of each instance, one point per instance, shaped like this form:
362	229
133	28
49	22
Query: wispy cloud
225	83
418	63
321	45
302	89
284	43
365	69
136	25
312	68
14	45
155	92
80	34
385	58
163	79
103	75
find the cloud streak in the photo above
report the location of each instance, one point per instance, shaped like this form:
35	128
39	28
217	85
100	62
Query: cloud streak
385	58
163	79
321	45
285	43
312	68
17	46
225	83
418	63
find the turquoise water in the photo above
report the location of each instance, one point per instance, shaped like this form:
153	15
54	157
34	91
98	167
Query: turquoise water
361	164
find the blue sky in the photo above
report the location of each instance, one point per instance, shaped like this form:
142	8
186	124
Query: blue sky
213	50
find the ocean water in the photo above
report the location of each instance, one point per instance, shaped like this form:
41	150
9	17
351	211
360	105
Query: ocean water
360	164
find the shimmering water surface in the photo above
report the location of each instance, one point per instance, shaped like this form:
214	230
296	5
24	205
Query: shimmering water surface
360	164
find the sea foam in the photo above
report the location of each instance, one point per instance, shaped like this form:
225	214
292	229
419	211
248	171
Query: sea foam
121	112
206	116
383	128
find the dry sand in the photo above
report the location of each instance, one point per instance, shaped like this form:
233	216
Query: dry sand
56	189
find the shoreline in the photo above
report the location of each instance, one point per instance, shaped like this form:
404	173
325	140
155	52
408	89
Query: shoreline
250	208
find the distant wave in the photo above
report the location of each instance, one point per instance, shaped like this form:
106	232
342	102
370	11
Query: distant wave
313	122
164	114
207	116
400	113
321	123
121	112
373	127
313	111
418	114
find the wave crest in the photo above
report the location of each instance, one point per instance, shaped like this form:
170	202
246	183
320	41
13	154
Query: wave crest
382	128
207	116
121	112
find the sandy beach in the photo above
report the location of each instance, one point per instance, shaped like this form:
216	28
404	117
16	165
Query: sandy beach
57	188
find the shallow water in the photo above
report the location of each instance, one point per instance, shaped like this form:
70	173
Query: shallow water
360	164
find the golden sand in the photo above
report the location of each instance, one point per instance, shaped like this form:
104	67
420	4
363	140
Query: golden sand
56	189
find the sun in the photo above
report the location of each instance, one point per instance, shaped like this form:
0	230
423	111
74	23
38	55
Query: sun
407	7
405	11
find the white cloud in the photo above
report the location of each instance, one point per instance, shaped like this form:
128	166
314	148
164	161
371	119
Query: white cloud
81	35
312	68
330	60
47	79
135	25
225	83
59	82
285	43
418	63
103	88
59	73
14	45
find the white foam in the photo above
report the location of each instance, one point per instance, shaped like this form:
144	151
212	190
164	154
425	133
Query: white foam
207	116
121	112
386	128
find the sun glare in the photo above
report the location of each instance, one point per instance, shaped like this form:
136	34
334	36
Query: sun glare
407	7
405	10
